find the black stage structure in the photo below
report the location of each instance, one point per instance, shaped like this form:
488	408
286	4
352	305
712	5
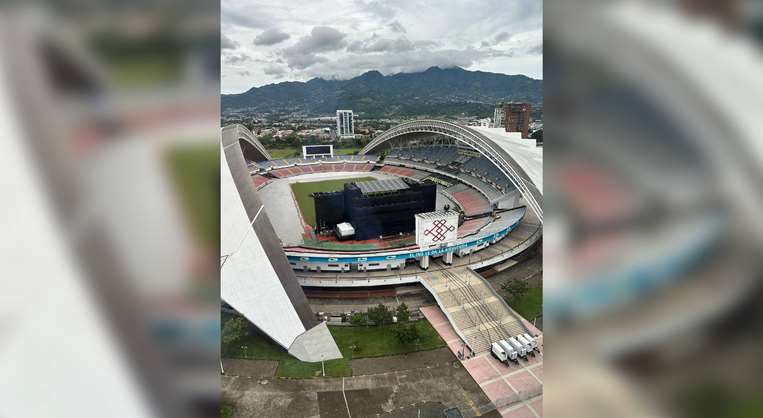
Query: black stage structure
375	208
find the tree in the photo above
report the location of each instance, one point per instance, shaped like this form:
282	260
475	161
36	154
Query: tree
380	315
407	334
234	330
358	319
403	315
516	288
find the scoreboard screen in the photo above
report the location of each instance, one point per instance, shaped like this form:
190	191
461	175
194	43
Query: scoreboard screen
310	151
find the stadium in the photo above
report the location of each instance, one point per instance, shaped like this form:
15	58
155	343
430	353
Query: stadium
482	187
490	198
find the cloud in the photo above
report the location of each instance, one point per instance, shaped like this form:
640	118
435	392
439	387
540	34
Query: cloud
321	39
344	40
536	50
377	8
300	62
501	37
274	70
243	17
398	62
271	37
235	59
244	73
395	26
381	45
227	43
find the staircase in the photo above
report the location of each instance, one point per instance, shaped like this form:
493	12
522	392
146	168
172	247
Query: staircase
476	312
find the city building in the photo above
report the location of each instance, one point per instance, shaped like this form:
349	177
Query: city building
498	116
345	126
517	118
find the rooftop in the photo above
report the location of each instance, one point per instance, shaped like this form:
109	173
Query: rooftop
437	214
381	186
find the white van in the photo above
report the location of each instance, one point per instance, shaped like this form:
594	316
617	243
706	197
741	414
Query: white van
521	350
532	341
498	352
528	347
511	353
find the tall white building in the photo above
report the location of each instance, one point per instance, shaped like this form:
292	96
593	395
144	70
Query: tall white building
498	115
345	126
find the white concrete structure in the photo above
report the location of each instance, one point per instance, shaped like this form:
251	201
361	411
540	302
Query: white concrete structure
436	228
256	279
524	152
345	125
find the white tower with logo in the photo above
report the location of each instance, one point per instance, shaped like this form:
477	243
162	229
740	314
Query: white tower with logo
436	230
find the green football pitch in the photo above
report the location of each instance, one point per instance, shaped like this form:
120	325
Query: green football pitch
303	190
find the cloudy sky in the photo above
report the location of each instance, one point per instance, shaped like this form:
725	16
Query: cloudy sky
266	41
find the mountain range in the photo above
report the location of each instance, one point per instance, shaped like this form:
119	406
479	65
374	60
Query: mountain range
434	92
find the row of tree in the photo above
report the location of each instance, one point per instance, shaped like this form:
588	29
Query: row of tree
381	315
406	334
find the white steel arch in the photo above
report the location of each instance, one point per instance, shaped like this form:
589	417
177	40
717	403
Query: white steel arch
243	134
496	154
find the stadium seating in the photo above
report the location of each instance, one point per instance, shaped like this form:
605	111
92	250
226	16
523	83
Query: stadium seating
405	172
446	158
260	181
263	166
488	189
320	167
472	202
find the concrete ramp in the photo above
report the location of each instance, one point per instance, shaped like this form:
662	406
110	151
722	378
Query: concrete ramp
477	313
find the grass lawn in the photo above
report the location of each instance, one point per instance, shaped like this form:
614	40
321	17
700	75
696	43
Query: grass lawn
346	151
373	342
277	153
226	411
258	347
381	341
530	305
302	192
195	172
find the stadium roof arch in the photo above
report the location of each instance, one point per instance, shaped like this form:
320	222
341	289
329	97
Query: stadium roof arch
256	278
518	159
252	149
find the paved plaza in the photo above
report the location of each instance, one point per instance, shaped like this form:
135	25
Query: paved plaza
515	390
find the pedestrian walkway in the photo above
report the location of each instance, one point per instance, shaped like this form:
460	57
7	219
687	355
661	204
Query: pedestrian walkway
516	390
